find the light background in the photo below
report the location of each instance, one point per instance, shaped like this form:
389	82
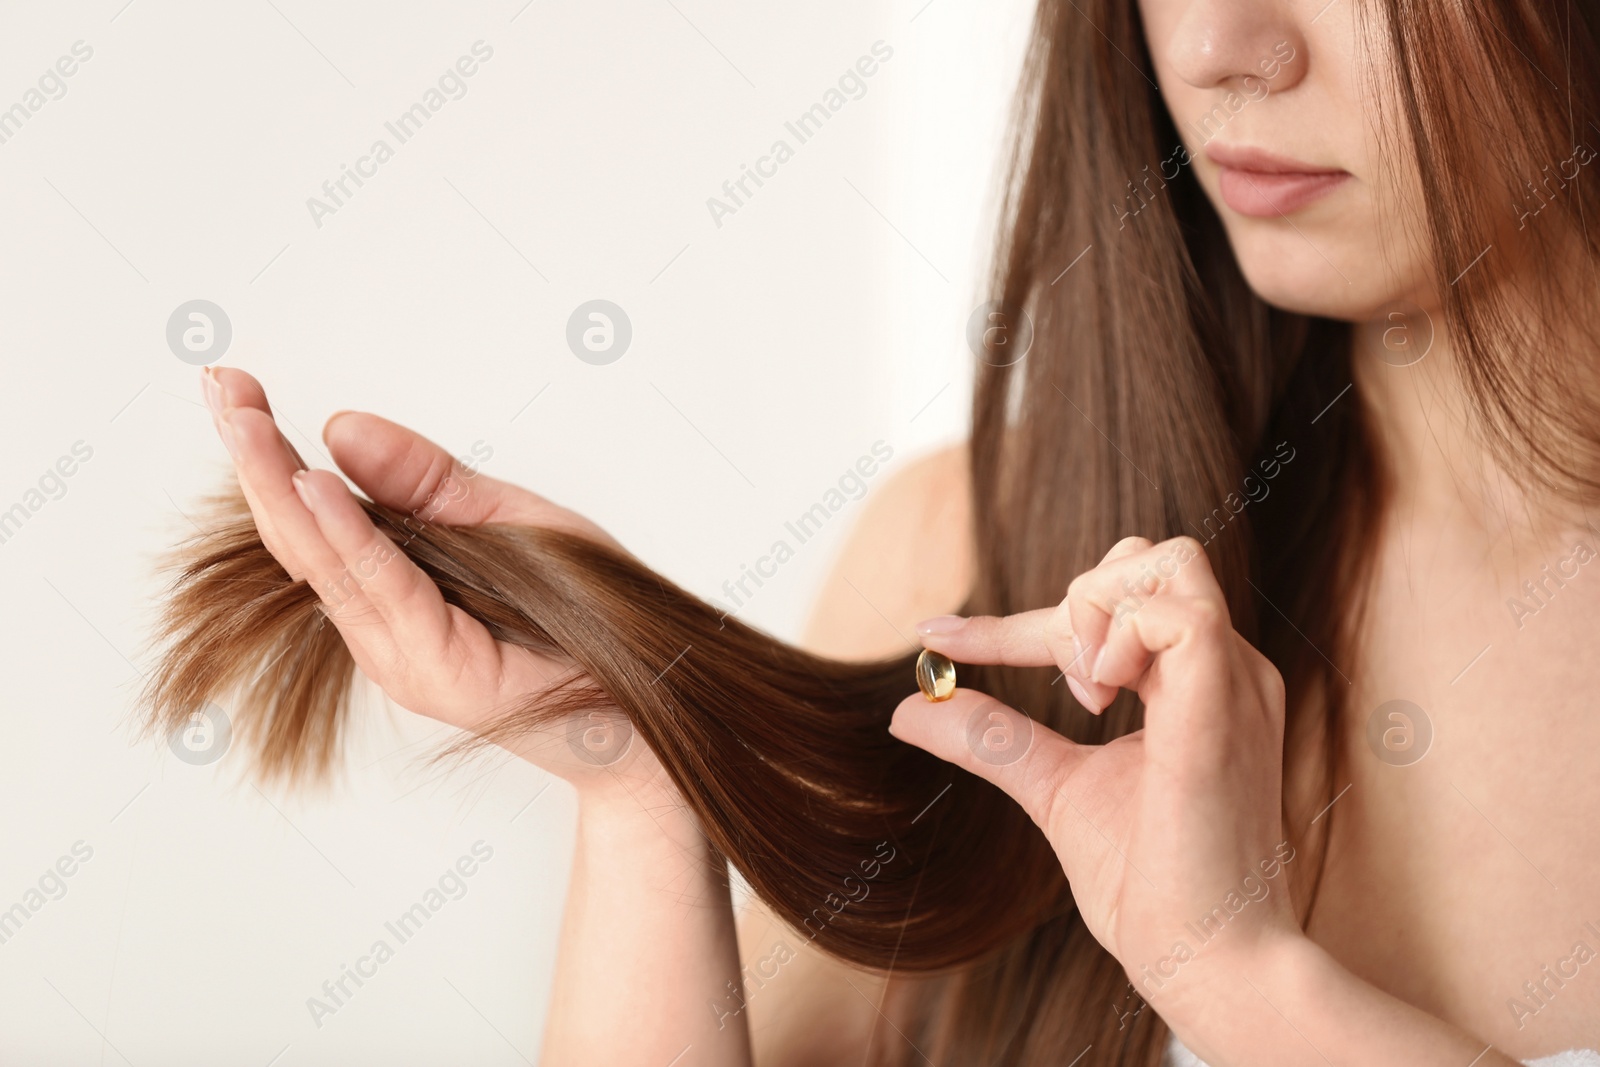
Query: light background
768	354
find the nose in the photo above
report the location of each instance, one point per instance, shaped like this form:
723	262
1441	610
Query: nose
1239	44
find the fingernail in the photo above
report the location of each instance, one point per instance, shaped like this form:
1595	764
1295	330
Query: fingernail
1077	651
208	390
225	428
940	624
300	490
1094	672
1081	693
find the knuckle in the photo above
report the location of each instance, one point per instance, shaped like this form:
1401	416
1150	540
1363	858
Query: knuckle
1125	547
435	487
1185	547
1274	690
1207	618
352	614
1128	545
1058	628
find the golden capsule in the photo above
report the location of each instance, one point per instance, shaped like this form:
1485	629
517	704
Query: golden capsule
936	675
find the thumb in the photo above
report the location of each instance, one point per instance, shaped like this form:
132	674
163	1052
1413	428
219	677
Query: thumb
401	469
974	731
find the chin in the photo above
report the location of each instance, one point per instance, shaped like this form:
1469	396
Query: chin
1292	275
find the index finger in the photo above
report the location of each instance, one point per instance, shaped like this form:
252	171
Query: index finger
1021	640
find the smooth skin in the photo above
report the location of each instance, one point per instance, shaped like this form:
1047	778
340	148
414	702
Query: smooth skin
1449	883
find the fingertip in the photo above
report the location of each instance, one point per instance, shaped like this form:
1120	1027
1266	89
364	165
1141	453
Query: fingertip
211	392
897	718
322	486
911	718
369	447
298	480
1099	665
239	389
335	417
1081	695
940	625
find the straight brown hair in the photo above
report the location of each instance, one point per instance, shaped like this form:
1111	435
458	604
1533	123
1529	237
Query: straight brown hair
1156	385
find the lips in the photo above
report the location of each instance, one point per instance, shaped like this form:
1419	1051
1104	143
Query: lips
1261	184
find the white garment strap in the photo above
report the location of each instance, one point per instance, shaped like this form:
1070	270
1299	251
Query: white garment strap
1178	1056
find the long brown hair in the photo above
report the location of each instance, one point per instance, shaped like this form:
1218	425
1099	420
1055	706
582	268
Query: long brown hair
1157	387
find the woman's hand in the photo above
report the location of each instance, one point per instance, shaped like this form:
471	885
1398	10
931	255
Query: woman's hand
429	656
1171	837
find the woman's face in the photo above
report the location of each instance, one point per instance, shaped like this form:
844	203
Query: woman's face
1276	107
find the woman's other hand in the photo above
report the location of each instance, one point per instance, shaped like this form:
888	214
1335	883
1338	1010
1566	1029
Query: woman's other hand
429	656
1171	837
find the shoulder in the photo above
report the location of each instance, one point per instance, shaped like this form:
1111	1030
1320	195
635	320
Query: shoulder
909	556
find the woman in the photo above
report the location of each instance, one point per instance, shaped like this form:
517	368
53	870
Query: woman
1305	434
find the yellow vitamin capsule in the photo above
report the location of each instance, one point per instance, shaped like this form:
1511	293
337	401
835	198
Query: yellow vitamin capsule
936	675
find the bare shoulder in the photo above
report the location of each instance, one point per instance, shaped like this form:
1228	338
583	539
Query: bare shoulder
908	557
